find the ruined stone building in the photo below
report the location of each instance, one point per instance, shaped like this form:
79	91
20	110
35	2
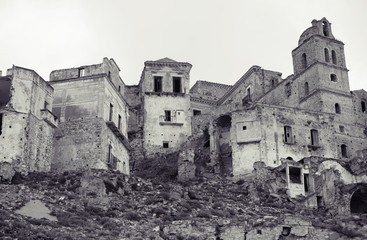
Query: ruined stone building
26	122
86	117
93	115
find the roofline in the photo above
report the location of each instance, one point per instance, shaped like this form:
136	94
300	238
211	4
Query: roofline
237	84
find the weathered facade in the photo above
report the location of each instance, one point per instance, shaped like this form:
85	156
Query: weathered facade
26	123
89	102
310	113
165	102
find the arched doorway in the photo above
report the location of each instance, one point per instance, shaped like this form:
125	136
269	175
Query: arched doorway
358	202
223	141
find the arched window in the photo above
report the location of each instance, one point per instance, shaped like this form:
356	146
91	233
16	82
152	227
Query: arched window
333	56
307	90
344	150
326	53
304	61
337	108
325	29
333	77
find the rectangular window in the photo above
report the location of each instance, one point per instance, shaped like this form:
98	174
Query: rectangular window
306	182
81	72
109	153
165	144
341	128
288	89
176	84
167	116
197	112
157	84
119	122
111	112
244	128
314	137
1	123
288	137
363	105
248	94
295	175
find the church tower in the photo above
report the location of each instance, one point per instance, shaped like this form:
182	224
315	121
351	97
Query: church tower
320	71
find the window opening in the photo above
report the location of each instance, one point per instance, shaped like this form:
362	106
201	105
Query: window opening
307	90
111	112
326	52
319	202
81	72
288	137
176	84
363	106
109	75
304	61
119	89
157	84
333	77
165	144
325	29
314	137
286	231
109	153
344	150
295	175
288	89
197	112
341	128
124	167
333	57
167	116
337	108
306	182
119	122
45	106
248	94
1	123
244	128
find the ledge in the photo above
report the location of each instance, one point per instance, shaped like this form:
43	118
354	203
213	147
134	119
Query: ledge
313	147
248	142
171	123
118	134
49	118
174	94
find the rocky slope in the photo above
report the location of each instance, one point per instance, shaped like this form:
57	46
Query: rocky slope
100	204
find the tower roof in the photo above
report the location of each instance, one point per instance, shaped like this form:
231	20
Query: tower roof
319	27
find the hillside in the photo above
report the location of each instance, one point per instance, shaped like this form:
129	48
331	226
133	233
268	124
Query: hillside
100	204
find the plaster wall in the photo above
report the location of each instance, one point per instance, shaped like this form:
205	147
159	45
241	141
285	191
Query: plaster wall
156	130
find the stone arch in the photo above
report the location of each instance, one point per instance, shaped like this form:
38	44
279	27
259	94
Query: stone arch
325	28
358	201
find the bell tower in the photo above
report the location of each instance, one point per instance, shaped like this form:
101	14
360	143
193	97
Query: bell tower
320	70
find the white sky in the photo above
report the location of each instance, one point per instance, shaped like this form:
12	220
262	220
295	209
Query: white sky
221	39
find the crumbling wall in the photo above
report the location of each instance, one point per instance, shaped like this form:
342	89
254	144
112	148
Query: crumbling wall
209	90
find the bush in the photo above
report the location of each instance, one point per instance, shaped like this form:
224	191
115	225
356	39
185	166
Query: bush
132	216
159	211
217	205
195	204
165	195
92	210
110	187
203	214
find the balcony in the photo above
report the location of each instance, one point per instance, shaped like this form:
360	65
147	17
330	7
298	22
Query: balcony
169	120
49	117
118	134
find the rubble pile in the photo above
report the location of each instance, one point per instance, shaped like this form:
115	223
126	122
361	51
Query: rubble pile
99	204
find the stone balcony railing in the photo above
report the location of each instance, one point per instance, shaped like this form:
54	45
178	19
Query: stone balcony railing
49	117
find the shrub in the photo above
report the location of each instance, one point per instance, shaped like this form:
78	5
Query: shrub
203	214
95	210
159	211
132	216
165	195
240	182
217	205
195	204
61	179
110	187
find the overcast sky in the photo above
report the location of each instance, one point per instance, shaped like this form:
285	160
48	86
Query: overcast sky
221	39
